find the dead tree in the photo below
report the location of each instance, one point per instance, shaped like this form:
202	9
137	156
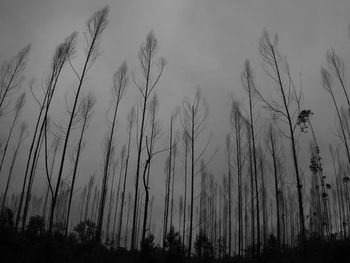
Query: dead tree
18	109
228	156
62	54
96	25
55	144
120	82
273	149
154	134
186	142
195	113
146	86
86	106
277	68
22	135
131	119
249	86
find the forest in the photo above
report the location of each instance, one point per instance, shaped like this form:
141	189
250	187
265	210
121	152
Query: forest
276	201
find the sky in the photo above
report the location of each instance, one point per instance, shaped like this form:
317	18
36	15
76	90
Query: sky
205	44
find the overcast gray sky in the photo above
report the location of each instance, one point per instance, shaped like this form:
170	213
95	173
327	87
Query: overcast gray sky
204	42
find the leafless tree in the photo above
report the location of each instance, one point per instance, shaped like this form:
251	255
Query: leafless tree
237	125
146	86
272	144
55	144
131	120
18	109
22	135
150	144
89	192
278	70
195	112
186	144
168	169
62	54
86	109
228	157
249	86
95	27
120	83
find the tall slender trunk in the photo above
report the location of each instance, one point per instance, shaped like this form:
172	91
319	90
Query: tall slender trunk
229	200
124	184
252	221
251	124
133	233
30	182
105	176
295	159
172	188
30	155
127	223
264	205
192	182
145	213
51	173
276	188
91	184
185	195
111	195
75	173
11	168
8	140
167	198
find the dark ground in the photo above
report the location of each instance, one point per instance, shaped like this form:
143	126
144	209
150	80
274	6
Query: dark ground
33	245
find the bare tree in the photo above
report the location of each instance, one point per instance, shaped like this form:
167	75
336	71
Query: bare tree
86	105
146	86
249	86
131	119
168	169
18	108
154	133
112	194
122	157
278	70
62	54
195	113
55	144
22	134
95	27
186	144
272	144
174	151
120	83
236	122
228	156
90	186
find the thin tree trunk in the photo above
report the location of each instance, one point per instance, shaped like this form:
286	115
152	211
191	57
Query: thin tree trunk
75	172
192	182
11	167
